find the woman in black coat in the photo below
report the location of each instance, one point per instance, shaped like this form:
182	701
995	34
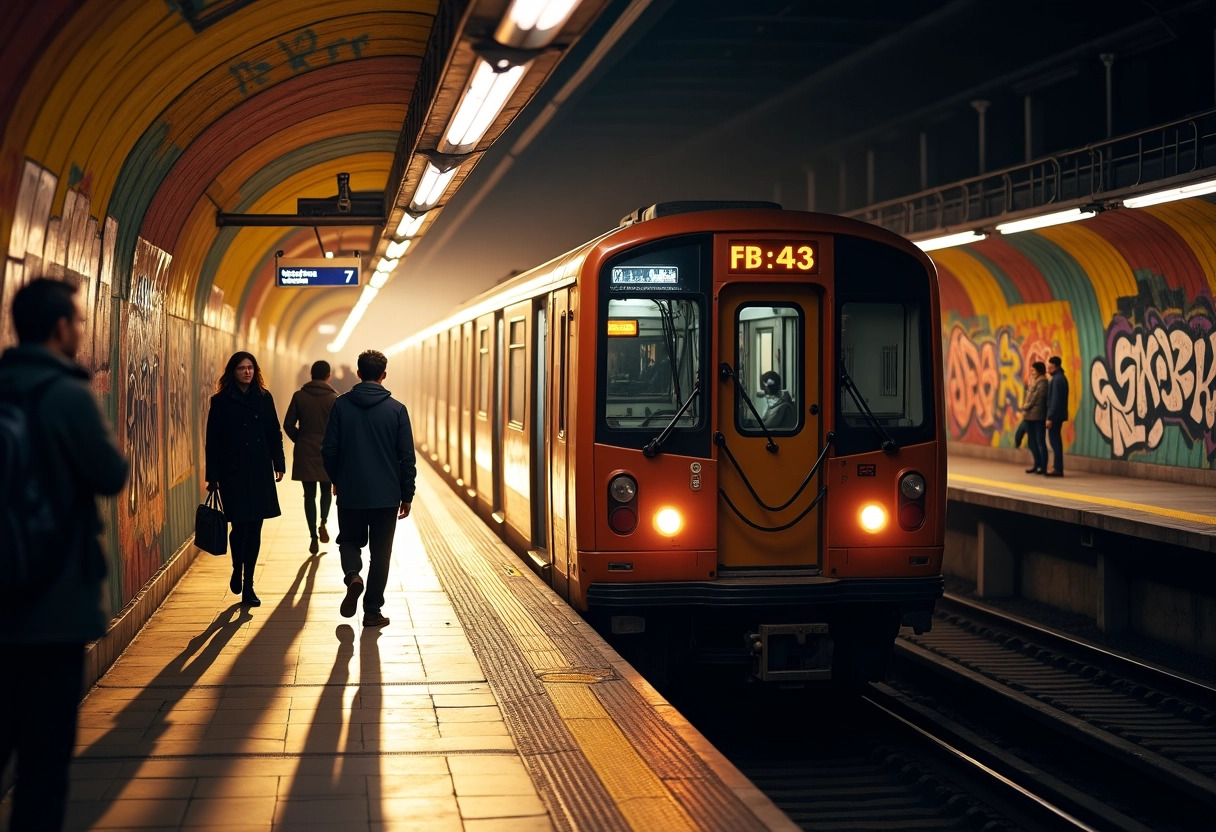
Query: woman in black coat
244	459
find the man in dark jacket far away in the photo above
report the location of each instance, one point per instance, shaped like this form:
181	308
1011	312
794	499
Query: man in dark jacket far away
1057	414
368	452
43	635
305	422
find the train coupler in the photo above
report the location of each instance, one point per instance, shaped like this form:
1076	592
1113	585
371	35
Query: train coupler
791	652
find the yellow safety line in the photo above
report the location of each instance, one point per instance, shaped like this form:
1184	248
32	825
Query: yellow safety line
1206	519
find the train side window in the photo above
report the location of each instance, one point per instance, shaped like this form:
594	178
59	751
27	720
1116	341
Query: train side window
561	382
769	366
880	350
483	370
519	368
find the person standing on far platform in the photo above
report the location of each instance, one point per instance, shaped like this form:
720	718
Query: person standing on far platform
369	454
1034	408
44	630
1057	414
305	423
244	459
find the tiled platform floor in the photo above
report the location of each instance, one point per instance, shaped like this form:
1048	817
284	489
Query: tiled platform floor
288	716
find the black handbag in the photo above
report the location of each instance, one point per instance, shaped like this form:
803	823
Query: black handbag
210	526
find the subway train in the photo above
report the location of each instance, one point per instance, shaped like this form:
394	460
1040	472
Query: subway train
716	431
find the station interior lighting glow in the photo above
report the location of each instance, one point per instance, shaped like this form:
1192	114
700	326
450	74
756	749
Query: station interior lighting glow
1171	194
527	24
961	238
1057	218
488	91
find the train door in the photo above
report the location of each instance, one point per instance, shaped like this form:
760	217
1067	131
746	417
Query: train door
768	420
485	425
440	452
538	403
467	388
558	459
516	477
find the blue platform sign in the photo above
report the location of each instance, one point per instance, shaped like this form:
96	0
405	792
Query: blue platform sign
317	271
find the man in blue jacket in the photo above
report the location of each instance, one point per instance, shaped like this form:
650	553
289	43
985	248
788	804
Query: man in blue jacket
368	452
1057	414
43	632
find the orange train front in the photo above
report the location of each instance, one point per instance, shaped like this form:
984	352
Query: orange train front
715	430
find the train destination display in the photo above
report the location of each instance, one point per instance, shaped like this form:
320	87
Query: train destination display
318	271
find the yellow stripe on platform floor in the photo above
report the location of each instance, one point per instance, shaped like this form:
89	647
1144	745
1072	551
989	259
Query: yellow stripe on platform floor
1160	511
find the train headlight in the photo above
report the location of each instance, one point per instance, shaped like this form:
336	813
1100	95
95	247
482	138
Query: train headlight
873	518
912	486
623	489
668	521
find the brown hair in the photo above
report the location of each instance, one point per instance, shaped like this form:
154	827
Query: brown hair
228	379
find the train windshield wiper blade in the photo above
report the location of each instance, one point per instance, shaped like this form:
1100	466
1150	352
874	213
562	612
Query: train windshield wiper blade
654	445
888	444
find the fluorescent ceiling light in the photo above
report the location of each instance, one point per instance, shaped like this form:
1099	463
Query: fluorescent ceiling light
327	329
378	280
487	92
949	240
329	255
369	294
530	24
409	226
432	186
386	265
1045	220
1171	194
395	250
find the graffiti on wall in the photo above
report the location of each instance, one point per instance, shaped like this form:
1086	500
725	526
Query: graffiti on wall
301	52
141	507
179	394
1159	370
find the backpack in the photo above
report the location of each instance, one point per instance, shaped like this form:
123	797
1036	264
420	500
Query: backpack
29	555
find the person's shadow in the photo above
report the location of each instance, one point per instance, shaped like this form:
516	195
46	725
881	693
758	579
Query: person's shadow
181	676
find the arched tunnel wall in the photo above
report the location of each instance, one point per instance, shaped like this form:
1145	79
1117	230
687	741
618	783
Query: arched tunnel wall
1126	300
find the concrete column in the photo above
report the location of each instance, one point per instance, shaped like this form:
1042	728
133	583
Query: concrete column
994	564
1108	60
1113	605
981	107
1028	120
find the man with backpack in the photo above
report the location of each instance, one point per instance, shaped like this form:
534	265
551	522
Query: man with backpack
57	453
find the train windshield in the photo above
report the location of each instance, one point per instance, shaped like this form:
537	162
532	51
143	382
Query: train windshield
654	354
880	349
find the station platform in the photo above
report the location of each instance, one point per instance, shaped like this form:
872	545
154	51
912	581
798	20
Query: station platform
486	704
1165	512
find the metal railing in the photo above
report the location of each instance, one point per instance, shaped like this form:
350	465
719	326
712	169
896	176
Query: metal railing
1093	174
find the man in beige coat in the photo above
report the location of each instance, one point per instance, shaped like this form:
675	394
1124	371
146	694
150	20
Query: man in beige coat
305	422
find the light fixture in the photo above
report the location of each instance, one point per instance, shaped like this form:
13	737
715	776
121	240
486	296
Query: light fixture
1171	194
395	250
409	225
327	329
668	521
531	24
431	187
484	98
1058	218
961	238
386	265
329	255
873	518
378	280
369	294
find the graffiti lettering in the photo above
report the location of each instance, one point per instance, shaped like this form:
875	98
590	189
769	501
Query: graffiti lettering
303	52
983	378
143	432
1165	374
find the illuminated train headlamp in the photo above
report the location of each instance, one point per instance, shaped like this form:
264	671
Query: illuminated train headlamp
622	489
668	521
873	518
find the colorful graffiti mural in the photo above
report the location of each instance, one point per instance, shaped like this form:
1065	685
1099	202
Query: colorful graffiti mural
181	400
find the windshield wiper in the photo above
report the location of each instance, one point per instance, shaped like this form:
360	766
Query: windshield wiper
888	444
654	445
727	371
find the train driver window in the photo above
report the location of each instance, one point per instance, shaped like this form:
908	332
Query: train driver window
880	351
653	353
769	365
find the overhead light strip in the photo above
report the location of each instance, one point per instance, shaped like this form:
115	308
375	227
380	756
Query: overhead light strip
1171	194
1057	218
949	240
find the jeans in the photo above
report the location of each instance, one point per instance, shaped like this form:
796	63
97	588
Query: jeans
245	543
310	505
1036	443
38	723
356	527
1057	447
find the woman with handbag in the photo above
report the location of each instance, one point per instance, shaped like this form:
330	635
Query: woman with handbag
244	460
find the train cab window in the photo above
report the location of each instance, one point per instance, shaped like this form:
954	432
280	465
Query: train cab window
880	352
770	368
654	349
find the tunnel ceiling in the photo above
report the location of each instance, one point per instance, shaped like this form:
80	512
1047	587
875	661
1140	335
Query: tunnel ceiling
162	114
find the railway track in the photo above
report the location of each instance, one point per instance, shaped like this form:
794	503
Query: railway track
1136	737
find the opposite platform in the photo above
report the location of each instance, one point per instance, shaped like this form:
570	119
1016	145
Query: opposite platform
486	704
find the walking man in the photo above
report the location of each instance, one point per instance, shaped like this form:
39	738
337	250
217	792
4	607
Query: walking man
53	429
1057	414
369	455
304	423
